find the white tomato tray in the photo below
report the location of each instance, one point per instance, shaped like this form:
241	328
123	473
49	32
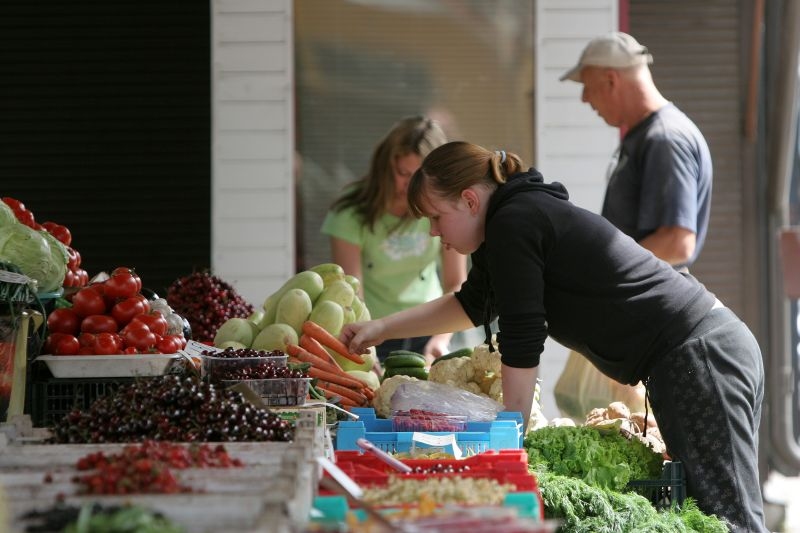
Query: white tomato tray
108	366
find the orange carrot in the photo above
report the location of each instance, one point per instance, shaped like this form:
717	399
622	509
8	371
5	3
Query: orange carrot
315	331
313	346
303	355
346	402
368	392
344	392
345	381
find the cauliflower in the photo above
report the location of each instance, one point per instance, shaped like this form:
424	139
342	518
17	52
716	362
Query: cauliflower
383	395
457	372
485	361
470	387
496	391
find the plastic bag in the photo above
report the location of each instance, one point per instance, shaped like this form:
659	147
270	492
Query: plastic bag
446	399
581	388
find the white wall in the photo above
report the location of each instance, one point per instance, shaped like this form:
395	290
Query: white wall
252	233
573	144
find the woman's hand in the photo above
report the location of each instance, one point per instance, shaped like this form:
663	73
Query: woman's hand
360	336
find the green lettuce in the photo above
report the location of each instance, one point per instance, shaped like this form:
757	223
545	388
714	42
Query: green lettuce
606	460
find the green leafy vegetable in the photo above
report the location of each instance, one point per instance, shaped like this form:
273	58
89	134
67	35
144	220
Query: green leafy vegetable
37	256
7	216
587	509
125	520
600	459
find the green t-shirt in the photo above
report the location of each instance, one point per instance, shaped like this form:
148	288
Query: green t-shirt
398	265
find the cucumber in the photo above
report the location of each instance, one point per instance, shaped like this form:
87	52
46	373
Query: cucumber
413	371
403	360
462	352
407	352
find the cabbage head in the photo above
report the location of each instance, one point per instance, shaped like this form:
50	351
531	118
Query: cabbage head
7	216
42	259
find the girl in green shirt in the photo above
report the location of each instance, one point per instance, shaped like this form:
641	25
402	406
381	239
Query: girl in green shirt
375	238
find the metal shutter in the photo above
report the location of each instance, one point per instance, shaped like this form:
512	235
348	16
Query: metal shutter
697	65
105	127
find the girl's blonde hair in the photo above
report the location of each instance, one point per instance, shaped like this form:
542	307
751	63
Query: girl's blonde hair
371	195
456	166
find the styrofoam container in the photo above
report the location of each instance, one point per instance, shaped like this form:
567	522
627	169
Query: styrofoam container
108	366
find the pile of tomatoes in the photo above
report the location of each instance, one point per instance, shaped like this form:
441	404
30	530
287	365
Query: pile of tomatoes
75	276
111	317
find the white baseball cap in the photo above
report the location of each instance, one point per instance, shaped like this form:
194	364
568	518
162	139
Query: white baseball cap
613	50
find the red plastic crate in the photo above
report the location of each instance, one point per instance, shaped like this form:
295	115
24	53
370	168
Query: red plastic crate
504	466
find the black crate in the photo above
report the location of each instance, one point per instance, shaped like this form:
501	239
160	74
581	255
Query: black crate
53	398
668	491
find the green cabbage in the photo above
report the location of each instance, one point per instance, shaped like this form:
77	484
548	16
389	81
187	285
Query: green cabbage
35	255
7	216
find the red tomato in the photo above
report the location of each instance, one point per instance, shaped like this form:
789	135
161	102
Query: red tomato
130	350
63	320
88	301
26	217
138	335
13	203
99	324
61	233
170	344
87	339
70	279
51	341
66	345
121	284
142	298
107	344
153	320
132	272
86	350
74	258
124	311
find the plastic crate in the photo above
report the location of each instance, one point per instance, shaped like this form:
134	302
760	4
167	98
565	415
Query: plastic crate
668	491
51	399
504	466
505	432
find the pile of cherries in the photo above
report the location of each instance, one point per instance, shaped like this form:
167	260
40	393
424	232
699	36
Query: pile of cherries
206	301
241	364
147	468
171	408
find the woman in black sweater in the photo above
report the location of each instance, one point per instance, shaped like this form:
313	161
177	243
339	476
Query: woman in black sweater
543	266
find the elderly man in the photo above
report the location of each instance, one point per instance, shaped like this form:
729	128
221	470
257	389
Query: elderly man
659	187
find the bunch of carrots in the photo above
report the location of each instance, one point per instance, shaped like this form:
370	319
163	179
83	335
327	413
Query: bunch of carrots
334	382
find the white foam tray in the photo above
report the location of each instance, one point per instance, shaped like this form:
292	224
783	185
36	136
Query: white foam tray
108	366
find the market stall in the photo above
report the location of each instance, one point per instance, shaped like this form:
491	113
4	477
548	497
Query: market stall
200	412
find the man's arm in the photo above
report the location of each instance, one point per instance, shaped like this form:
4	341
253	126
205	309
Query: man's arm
673	244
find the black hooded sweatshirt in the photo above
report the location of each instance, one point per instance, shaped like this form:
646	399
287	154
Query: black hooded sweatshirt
547	267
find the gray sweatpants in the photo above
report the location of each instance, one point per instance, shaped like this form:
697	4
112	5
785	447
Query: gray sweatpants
706	396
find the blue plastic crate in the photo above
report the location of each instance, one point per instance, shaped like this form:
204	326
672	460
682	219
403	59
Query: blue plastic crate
504	433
